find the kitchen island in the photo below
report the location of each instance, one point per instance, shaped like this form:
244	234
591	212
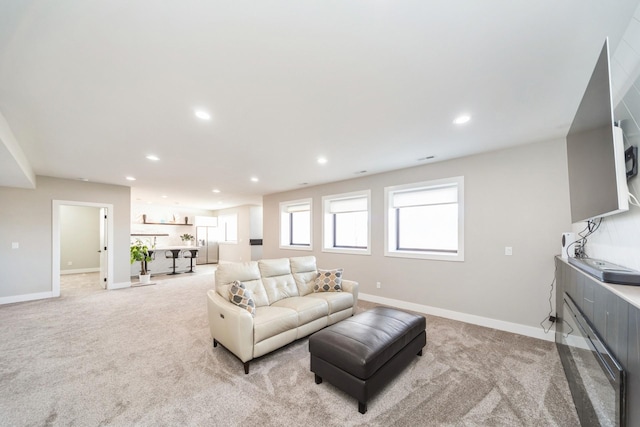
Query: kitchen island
163	265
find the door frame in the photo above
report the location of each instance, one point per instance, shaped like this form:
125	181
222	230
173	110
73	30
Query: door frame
55	258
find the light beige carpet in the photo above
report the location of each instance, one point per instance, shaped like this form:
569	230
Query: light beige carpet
143	356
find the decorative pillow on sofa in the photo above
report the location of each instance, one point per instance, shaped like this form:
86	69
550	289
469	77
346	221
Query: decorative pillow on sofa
328	281
242	297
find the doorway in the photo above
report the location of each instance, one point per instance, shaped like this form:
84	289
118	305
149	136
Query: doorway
83	232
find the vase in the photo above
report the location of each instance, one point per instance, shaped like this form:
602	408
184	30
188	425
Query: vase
144	279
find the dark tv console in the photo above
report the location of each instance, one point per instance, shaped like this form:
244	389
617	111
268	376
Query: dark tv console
606	271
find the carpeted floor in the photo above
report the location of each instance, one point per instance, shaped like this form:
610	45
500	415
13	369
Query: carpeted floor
143	356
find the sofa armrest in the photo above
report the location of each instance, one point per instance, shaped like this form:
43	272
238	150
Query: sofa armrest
352	287
230	325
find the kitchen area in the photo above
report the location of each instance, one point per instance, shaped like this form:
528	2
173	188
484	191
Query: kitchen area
226	235
177	243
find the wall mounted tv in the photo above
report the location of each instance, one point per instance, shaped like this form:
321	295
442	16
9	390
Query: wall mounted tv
595	151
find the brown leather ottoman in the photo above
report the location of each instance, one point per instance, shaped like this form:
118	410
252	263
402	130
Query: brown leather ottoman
361	354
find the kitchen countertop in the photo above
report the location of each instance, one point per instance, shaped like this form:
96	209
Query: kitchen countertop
168	248
629	293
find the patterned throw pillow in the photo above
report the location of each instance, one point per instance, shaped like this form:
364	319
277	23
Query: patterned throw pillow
328	281
242	297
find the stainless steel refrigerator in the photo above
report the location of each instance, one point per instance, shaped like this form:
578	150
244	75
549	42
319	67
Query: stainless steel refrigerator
207	239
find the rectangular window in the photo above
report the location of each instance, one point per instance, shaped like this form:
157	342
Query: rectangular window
425	220
346	223
295	224
228	228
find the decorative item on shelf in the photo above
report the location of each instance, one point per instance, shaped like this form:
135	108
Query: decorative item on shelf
186	220
140	253
187	239
144	218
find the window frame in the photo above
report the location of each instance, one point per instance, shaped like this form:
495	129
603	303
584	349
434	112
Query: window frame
286	230
391	223
223	223
328	224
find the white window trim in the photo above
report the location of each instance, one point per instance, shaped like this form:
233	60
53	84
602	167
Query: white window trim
222	230
389	221
328	228
283	206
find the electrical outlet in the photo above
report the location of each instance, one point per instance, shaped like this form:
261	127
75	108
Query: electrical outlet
552	319
378	285
15	245
508	250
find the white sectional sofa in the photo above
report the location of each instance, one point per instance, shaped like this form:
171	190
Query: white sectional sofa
286	306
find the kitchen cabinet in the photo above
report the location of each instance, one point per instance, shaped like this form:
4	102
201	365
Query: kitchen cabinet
614	312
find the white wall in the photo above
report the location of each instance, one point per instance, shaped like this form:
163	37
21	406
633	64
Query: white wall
516	197
26	218
79	239
165	214
618	238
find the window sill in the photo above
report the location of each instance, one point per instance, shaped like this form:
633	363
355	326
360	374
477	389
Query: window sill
459	257
297	248
347	251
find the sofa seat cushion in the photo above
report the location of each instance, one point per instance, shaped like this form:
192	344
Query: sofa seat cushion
308	309
270	321
337	301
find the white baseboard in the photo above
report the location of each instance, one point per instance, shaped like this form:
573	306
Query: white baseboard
26	297
80	270
120	285
501	325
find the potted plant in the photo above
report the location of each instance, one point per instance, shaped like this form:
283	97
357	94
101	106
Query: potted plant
140	252
187	238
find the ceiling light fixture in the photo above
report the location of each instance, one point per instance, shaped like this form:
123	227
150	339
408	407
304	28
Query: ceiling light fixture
164	196
130	178
322	160
460	120
152	157
83	179
215	190
202	115
254	179
422	159
360	172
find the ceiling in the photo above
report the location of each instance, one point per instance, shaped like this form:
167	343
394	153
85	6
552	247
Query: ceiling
89	88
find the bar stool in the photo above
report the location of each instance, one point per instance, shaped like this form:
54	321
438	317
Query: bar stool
172	253
191	254
152	255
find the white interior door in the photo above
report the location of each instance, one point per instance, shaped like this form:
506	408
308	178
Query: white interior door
104	212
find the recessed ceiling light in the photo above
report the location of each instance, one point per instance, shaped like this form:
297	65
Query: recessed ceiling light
164	196
202	115
322	160
130	178
215	190
152	157
254	179
422	159
460	120
83	179
360	172
304	183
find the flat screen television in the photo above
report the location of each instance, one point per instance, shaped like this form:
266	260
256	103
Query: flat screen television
595	151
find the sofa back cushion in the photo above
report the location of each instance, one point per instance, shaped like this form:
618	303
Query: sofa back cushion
277	279
246	272
304	272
